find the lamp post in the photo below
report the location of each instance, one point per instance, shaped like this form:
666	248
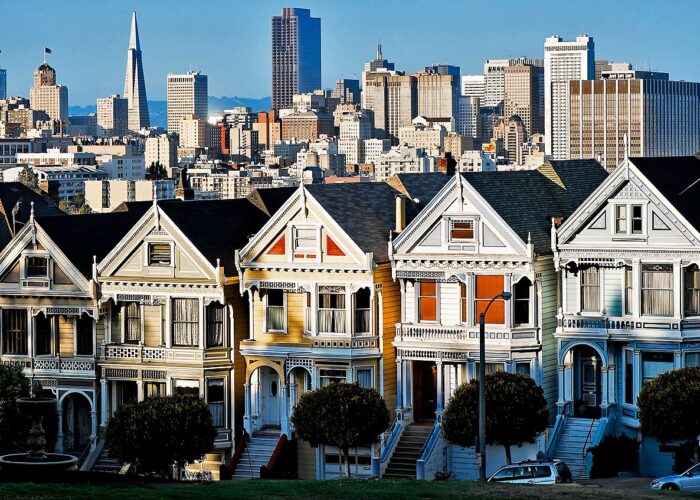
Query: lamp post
482	385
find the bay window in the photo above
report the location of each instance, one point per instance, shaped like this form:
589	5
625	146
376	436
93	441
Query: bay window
215	324
363	376
521	302
154	389
523	368
42	332
362	311
590	289
37	267
488	287
489	368
691	292
657	289
14	331
463	302
84	333
331	310
692	359
427	301
186	388
629	291
215	401
629	377
185	322
275	313
654	364
132	322
331	376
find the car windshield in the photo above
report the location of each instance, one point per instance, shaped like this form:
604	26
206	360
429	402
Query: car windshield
694	470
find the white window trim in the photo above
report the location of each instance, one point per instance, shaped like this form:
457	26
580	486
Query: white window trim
284	303
417	294
676	313
315	250
147	253
355	369
614	203
475	226
227	423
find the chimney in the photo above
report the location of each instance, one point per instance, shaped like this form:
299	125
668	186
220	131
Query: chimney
400	213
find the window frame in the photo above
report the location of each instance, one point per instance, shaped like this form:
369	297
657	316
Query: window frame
341	292
208	323
16	332
197	322
583	307
693	290
477	300
457	220
364	368
150	262
284	311
324	374
420	297
628	291
515	287
642	289
28	266
222	380
126	322
356	310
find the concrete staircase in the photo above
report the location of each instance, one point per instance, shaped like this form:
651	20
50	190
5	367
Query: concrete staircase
576	434
105	463
402	464
256	454
208	469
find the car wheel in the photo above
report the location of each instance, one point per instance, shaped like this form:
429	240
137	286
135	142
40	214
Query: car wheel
669	486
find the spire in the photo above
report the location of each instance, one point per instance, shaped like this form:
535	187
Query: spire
134	39
379	52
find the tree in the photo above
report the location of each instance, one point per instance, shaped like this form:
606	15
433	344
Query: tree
669	407
13	426
29	178
156	433
516	411
343	415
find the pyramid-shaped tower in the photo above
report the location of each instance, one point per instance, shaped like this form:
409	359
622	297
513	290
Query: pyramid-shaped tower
135	85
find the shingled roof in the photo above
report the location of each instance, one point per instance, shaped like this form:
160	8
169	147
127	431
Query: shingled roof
678	180
528	199
10	194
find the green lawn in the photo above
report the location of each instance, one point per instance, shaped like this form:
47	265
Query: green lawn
315	489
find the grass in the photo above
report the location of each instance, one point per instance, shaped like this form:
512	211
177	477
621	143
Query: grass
315	490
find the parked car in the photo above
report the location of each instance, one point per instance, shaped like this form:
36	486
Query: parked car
688	481
534	472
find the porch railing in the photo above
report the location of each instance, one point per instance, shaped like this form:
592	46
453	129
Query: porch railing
580	322
134	352
388	443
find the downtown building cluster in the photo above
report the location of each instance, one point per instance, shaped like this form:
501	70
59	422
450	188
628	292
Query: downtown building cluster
355	234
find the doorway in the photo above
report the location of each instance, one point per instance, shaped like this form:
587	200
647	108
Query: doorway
424	390
270	398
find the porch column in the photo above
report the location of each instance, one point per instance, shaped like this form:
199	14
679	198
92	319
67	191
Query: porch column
561	399
139	390
612	383
292	397
59	435
246	411
399	386
407	386
604	388
103	402
93	434
569	382
440	396
637	370
284	419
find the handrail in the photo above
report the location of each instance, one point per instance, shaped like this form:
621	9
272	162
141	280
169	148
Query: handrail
266	470
427	450
86	451
584	451
235	458
554	435
389	445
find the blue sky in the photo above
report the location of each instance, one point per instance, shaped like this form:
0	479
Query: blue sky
229	40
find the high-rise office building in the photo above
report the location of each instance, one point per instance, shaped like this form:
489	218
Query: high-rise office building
524	96
494	82
296	55
355	128
376	65
187	96
3	83
393	99
563	61
659	118
469	123
48	97
473	86
134	83
347	91
112	116
438	91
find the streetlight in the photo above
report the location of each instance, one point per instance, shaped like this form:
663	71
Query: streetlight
482	385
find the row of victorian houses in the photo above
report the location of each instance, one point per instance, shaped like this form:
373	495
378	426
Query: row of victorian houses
250	303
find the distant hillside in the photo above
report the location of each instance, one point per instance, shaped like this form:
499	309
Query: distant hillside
158	110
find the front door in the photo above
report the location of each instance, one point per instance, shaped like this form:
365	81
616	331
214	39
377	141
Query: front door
424	390
269	397
588	391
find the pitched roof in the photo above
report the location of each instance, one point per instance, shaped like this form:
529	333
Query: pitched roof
528	199
217	228
80	237
678	180
269	200
421	187
10	194
366	211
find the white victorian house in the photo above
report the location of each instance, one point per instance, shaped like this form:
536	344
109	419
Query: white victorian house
630	301
482	234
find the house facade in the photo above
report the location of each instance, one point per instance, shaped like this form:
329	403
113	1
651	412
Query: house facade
481	235
628	260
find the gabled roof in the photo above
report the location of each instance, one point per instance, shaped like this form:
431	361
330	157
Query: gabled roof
80	237
366	211
422	187
10	194
269	200
678	180
528	199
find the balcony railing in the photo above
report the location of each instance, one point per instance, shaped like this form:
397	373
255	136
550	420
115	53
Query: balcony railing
460	333
431	332
53	365
134	352
605	324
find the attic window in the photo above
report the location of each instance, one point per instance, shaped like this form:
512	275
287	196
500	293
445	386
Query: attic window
159	254
461	230
37	267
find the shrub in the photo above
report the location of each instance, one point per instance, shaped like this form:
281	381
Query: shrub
614	455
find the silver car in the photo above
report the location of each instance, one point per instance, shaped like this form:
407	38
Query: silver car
688	481
533	472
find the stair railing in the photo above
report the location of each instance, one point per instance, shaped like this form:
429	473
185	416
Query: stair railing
427	451
584	451
267	471
236	457
387	449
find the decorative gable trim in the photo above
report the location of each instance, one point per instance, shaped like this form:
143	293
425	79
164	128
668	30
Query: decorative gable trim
657	223
433	238
491	239
601	222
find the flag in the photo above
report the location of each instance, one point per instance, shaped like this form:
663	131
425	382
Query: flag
47	50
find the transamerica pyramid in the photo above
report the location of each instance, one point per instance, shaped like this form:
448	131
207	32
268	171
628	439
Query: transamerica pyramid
135	85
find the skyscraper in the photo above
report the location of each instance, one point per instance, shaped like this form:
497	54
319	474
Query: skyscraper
494	82
3	83
112	116
438	91
524	96
187	96
135	85
563	61
296	55
48	97
473	86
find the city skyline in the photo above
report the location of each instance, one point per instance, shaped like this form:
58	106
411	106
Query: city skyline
246	71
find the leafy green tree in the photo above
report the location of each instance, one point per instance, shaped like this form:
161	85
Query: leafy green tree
29	178
516	411
669	407
13	426
156	433
343	415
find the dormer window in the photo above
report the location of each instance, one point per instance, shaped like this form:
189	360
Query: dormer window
159	254
629	219
462	230
37	267
305	238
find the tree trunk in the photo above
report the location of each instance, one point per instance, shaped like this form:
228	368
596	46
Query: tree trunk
346	454
507	448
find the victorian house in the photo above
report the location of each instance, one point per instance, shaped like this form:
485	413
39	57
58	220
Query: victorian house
483	234
630	292
173	313
50	319
323	306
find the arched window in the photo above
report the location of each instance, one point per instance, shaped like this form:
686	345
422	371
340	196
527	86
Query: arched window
521	302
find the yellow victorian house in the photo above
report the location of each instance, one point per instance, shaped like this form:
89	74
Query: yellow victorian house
323	306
